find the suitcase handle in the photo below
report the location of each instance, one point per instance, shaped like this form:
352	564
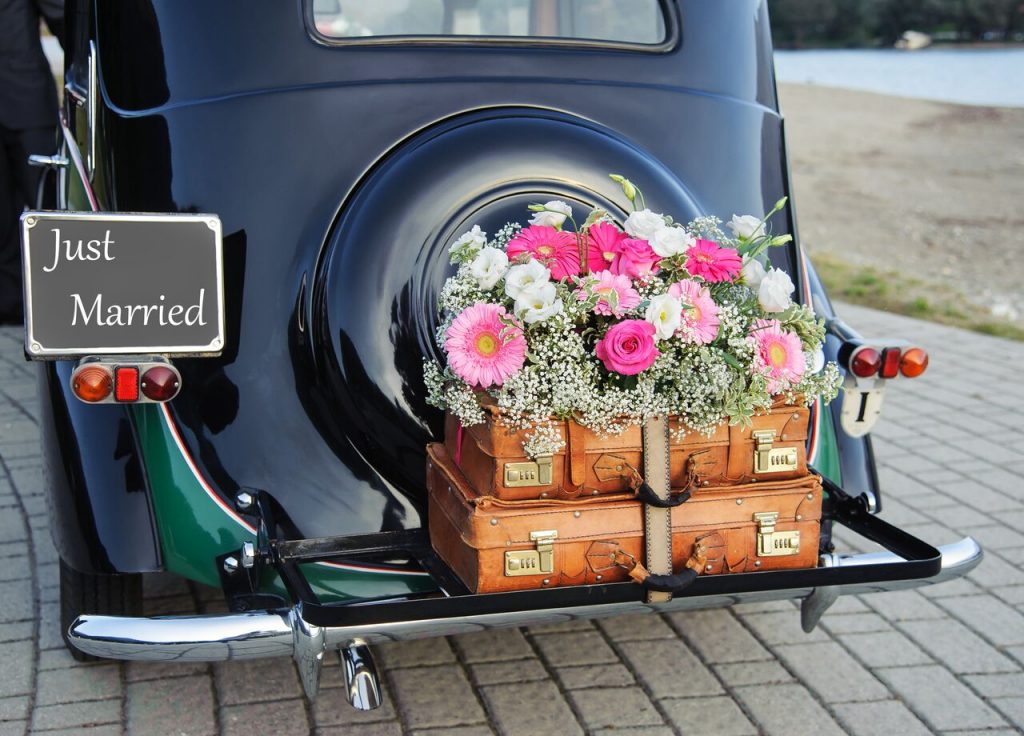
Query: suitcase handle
646	494
675	583
671	583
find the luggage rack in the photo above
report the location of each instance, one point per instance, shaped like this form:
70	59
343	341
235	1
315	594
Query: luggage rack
279	547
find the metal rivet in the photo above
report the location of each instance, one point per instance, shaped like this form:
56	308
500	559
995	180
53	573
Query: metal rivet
709	568
619	468
30	221
599	578
230	565
544	494
753	480
596	493
706	483
577	514
494	522
757	563
810	496
739	501
36	347
799	517
796	416
244	500
546	581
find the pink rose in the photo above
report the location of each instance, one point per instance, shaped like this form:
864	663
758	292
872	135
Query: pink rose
628	347
635	258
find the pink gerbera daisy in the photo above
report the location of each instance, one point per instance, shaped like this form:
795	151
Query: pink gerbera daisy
483	350
555	249
778	355
700	313
603	243
625	296
707	259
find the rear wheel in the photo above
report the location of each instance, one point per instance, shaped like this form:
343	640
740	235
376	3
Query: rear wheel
81	592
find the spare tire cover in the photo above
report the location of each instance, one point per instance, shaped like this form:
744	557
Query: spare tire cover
386	259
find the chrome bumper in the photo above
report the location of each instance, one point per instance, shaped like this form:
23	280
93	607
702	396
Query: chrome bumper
283	632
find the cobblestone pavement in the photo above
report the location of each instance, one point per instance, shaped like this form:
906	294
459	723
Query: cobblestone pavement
946	659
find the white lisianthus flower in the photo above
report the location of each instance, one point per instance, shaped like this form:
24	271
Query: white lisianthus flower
665	312
753	273
816	361
746	227
488	267
554	215
774	292
538	302
525	275
671	241
644	224
467	244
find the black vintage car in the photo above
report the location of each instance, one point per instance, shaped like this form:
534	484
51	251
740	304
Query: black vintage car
277	450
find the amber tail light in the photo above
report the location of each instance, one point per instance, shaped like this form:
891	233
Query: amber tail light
92	383
141	379
914	362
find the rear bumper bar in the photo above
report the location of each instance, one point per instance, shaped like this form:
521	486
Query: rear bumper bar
286	632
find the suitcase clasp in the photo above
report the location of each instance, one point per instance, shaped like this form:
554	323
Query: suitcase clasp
533	561
768	459
529	474
771	543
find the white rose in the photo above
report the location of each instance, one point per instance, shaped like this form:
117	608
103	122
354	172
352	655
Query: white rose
488	267
774	292
816	361
665	313
538	302
524	276
671	241
469	243
644	224
554	215
753	273
746	226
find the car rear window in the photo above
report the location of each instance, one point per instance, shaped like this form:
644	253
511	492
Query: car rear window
640	22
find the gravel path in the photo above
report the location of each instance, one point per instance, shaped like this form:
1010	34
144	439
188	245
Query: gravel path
946	659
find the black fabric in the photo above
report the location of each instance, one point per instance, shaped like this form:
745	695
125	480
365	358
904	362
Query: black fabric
28	95
671	583
646	494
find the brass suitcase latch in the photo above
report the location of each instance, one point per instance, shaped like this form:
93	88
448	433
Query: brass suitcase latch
768	459
539	561
771	543
529	474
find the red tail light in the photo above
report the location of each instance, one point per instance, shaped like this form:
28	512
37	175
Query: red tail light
890	363
92	383
914	362
160	383
126	383
865	362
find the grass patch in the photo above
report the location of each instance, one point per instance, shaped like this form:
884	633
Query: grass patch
901	294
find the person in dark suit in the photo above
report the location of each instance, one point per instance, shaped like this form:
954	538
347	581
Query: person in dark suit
28	124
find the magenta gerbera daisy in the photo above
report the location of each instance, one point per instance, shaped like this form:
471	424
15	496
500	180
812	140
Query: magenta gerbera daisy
555	249
711	262
483	349
700	313
611	289
603	242
778	355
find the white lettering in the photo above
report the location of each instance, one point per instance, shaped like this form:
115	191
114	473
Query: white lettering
90	251
122	315
86	316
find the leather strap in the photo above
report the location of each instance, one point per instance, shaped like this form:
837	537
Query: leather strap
576	455
657	520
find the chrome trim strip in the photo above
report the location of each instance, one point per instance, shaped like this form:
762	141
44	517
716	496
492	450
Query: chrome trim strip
282	633
90	101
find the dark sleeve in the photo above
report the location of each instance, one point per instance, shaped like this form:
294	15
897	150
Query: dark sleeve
53	13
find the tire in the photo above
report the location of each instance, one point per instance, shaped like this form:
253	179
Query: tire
81	592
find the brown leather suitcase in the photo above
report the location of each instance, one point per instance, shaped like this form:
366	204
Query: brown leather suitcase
498	545
491	457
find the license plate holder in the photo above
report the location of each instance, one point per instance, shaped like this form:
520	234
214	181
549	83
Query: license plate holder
117	283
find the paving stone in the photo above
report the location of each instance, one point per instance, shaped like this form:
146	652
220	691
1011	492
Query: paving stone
848	604
72	685
636	628
818	665
141	671
564	627
959	648
879	719
531	708
995	536
639	731
742	609
576	648
493	645
182	707
17	669
14	708
669	669
990	617
457	731
385	728
995	686
624	707
786	710
255	680
603	676
903	605
16	602
416	653
280	717
752	673
499	673
17	631
854	623
717	636
782	628
331	708
704	716
435	697
79	715
1012	708
884	649
110	729
950	588
937	697
14	728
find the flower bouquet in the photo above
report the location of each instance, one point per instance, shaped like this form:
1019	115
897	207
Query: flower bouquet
605	325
